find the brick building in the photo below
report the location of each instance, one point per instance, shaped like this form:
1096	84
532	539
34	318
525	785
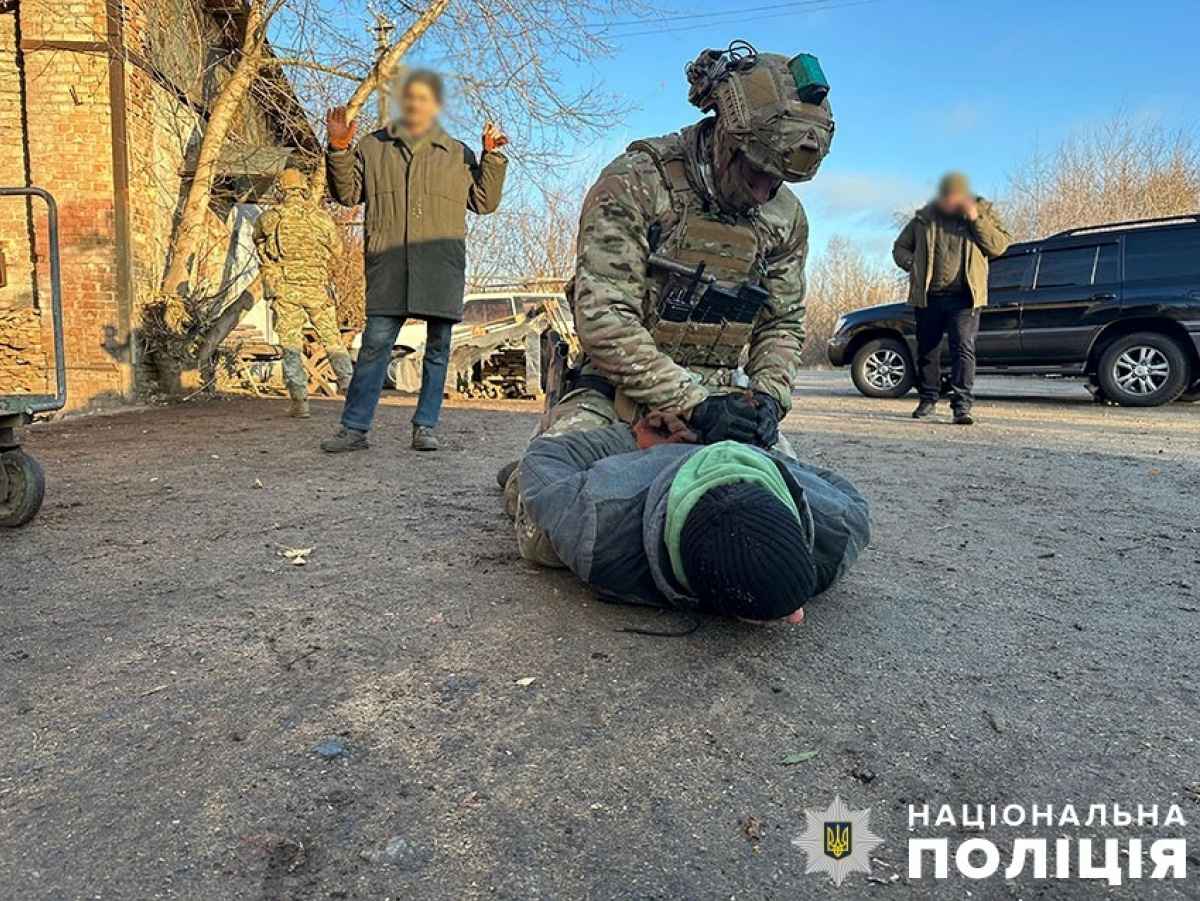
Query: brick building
104	103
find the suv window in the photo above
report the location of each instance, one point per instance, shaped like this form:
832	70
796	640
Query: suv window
1077	266
1162	253
1009	273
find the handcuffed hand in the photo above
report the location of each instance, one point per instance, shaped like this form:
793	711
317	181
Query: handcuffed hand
341	130
493	137
663	428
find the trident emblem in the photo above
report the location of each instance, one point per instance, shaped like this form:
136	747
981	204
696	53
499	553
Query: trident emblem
838	839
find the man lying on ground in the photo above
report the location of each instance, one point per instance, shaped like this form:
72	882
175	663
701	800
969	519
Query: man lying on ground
647	516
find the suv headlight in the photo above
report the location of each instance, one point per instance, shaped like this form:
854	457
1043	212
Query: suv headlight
839	324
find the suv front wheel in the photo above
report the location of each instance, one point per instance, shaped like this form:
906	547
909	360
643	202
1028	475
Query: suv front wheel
883	368
1144	369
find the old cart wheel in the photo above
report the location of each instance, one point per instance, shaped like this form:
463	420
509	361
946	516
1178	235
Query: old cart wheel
24	486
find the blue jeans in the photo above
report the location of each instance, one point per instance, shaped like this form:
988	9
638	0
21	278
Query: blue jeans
370	370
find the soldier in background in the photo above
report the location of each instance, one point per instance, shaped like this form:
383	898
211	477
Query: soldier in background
295	242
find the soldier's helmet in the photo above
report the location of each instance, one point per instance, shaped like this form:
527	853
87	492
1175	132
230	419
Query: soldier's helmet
776	108
292	180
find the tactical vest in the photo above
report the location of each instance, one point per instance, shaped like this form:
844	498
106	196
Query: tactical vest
296	248
731	252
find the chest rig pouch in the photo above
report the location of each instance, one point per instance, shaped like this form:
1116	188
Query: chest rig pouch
704	274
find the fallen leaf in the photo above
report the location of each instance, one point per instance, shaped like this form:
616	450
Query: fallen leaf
292	552
798	757
257	483
299	561
528	680
753	829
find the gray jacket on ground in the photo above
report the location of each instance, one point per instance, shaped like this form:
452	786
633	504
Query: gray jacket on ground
602	503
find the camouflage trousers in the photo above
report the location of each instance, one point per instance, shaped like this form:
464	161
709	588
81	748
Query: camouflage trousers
293	313
578	410
296	309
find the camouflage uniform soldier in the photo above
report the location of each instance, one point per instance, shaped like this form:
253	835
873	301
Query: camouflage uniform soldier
689	288
657	333
295	242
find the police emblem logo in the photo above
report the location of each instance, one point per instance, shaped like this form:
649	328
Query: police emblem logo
838	841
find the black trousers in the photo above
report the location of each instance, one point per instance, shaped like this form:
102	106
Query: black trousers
952	314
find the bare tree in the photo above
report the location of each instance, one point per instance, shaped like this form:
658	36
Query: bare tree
840	280
522	46
346	272
530	242
1128	168
251	58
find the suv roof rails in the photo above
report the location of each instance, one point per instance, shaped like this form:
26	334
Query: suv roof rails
1132	223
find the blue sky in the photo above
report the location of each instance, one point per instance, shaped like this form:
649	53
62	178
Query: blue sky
920	87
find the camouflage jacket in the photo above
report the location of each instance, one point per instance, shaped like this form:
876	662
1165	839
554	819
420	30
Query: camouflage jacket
295	242
633	204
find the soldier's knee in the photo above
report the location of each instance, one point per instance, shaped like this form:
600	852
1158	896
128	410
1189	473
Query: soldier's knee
533	544
784	447
580	410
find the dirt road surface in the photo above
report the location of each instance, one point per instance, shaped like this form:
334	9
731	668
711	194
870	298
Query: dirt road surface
1022	630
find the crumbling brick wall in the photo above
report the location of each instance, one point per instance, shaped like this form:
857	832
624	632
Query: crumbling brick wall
67	143
24	367
114	97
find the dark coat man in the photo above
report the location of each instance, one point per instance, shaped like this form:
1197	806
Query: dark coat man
416	195
416	184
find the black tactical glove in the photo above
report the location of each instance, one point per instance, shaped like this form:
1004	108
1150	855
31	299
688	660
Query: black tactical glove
767	433
725	417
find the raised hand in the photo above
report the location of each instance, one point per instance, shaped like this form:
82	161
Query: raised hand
341	130
493	137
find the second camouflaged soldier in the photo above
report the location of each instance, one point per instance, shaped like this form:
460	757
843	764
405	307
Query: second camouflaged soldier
691	257
296	242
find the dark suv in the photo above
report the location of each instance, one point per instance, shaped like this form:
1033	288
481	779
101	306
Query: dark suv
1119	304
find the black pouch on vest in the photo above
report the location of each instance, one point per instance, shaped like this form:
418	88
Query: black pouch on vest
719	304
678	297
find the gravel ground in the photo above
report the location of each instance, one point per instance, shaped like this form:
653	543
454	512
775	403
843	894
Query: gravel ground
1022	629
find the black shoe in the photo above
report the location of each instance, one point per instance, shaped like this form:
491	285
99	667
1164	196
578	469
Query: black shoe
345	440
924	408
963	417
505	474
